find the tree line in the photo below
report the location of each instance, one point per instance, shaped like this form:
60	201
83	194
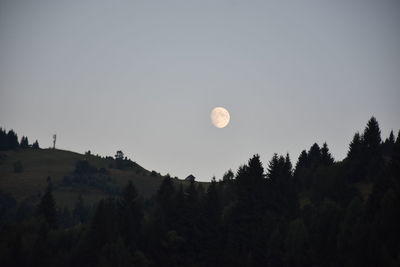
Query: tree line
9	141
319	212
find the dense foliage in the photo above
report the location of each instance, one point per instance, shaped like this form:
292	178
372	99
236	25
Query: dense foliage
9	141
318	213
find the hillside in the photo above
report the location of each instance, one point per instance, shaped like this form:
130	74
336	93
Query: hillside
321	212
38	164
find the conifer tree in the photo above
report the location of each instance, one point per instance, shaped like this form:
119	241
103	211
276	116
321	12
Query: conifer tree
288	165
256	169
131	214
314	155
228	176
372	136
273	170
3	140
355	147
47	206
24	142
165	203
391	139
301	164
326	156
12	140
35	145
80	212
104	225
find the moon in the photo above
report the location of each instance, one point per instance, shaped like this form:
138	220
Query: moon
220	117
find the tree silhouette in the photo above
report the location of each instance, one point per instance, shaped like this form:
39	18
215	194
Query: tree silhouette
326	156
3	139
47	206
35	145
321	213
372	136
355	147
12	140
131	215
80	212
24	142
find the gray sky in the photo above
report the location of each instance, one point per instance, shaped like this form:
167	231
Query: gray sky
143	76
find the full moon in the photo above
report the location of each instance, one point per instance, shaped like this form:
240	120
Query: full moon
220	117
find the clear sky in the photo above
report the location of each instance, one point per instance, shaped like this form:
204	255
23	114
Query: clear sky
143	77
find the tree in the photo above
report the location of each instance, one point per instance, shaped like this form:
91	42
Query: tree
24	142
131	215
228	176
324	232
165	202
273	168
326	156
299	172
388	145
314	155
12	140
296	244
372	136
3	139
256	169
355	147
391	140
47	206
302	162
35	145
119	155
104	226
80	212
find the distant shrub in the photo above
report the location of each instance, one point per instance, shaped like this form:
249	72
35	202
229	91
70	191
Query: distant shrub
35	145
18	167
154	173
83	166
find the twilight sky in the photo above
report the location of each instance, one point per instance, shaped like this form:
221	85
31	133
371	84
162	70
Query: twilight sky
143	77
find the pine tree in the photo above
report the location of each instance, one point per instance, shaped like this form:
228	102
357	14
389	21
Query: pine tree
212	211
391	139
355	147
326	156
165	204
104	225
398	138
314	155
296	244
256	169
288	165
47	206
35	145
302	163
12	140
372	136
228	176
273	170
24	142
3	140
80	211
131	215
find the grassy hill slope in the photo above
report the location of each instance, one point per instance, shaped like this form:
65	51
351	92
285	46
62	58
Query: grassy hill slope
42	163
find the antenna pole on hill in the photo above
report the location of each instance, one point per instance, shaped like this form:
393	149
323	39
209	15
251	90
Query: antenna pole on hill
54	141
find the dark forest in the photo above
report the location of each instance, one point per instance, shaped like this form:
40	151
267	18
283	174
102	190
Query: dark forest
313	211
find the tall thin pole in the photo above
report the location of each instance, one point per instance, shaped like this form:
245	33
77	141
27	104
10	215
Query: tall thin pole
54	141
